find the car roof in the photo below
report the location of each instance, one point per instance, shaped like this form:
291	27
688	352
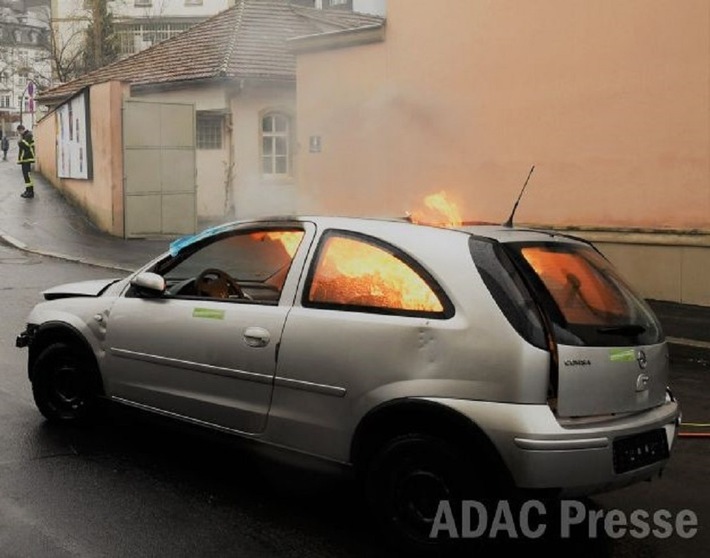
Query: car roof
378	226
501	233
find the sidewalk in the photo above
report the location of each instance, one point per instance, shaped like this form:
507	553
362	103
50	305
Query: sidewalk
49	225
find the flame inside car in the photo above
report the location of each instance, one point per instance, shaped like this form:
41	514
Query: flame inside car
289	239
438	210
389	282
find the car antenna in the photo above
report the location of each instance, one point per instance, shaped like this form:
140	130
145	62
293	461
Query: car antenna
509	222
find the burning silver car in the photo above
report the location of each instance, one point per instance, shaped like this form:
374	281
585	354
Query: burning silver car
433	360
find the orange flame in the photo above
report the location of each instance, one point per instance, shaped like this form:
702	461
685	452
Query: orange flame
289	239
353	272
439	210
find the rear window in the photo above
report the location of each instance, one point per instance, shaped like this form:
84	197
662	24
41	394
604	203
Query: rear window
587	300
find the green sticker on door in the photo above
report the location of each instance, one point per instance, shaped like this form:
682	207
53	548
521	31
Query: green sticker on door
208	313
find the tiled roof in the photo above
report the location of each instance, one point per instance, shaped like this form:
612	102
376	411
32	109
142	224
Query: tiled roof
247	41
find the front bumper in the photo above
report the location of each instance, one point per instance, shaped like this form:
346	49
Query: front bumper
24	339
574	459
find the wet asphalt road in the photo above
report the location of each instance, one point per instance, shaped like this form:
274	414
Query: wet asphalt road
137	486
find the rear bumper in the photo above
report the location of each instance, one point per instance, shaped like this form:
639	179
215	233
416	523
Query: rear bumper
575	459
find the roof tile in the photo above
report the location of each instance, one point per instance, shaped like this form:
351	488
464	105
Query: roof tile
245	41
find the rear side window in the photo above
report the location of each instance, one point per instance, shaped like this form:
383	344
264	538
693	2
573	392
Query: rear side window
359	273
588	301
508	289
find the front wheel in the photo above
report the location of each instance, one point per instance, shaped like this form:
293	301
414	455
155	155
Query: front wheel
65	384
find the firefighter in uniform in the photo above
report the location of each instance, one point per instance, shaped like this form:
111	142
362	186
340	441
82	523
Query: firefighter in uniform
25	157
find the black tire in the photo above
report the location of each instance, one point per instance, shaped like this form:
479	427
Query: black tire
406	481
65	384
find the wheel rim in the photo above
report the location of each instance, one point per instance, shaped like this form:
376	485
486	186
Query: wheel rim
416	500
67	388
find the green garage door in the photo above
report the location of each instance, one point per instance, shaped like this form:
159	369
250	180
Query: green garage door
159	168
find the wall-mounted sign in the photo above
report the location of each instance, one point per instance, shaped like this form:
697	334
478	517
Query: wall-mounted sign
74	138
314	144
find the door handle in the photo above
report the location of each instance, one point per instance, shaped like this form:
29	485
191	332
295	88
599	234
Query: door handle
256	336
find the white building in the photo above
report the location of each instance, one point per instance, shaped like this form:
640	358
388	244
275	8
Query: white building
139	24
24	61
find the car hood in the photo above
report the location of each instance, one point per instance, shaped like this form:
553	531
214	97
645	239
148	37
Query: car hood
81	288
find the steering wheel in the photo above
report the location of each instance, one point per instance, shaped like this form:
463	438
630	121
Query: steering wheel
216	283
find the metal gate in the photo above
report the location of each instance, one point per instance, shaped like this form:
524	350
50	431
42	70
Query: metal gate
159	171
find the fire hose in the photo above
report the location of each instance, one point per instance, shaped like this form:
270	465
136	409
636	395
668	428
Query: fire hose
694	434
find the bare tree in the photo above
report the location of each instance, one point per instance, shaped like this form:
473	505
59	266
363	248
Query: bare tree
81	39
100	46
65	57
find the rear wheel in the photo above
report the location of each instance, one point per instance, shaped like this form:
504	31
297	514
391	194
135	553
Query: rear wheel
65	384
407	481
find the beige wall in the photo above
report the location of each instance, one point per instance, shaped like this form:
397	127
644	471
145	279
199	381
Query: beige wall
102	196
610	100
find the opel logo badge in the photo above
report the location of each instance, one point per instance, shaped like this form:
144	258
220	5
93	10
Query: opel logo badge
642	382
641	359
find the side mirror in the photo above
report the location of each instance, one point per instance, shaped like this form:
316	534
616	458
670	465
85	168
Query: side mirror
149	284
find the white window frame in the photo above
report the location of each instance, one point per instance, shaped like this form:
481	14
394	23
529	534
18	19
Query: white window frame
272	136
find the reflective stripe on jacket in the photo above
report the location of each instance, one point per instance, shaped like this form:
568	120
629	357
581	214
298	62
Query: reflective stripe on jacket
27	151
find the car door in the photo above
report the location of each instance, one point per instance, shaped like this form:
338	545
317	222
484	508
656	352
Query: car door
207	355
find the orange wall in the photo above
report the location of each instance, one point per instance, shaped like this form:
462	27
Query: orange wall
102	196
609	99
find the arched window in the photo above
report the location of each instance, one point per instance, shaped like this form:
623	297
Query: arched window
275	144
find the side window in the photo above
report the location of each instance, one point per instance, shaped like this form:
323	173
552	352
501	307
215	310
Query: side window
357	273
243	266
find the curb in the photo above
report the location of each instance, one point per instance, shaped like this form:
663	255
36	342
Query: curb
13	242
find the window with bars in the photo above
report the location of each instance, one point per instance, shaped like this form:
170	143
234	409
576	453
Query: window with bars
209	131
275	144
5	101
135	37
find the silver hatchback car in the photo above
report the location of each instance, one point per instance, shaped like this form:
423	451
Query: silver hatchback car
433	360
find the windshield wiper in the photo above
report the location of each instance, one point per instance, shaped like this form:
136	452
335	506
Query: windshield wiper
629	329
